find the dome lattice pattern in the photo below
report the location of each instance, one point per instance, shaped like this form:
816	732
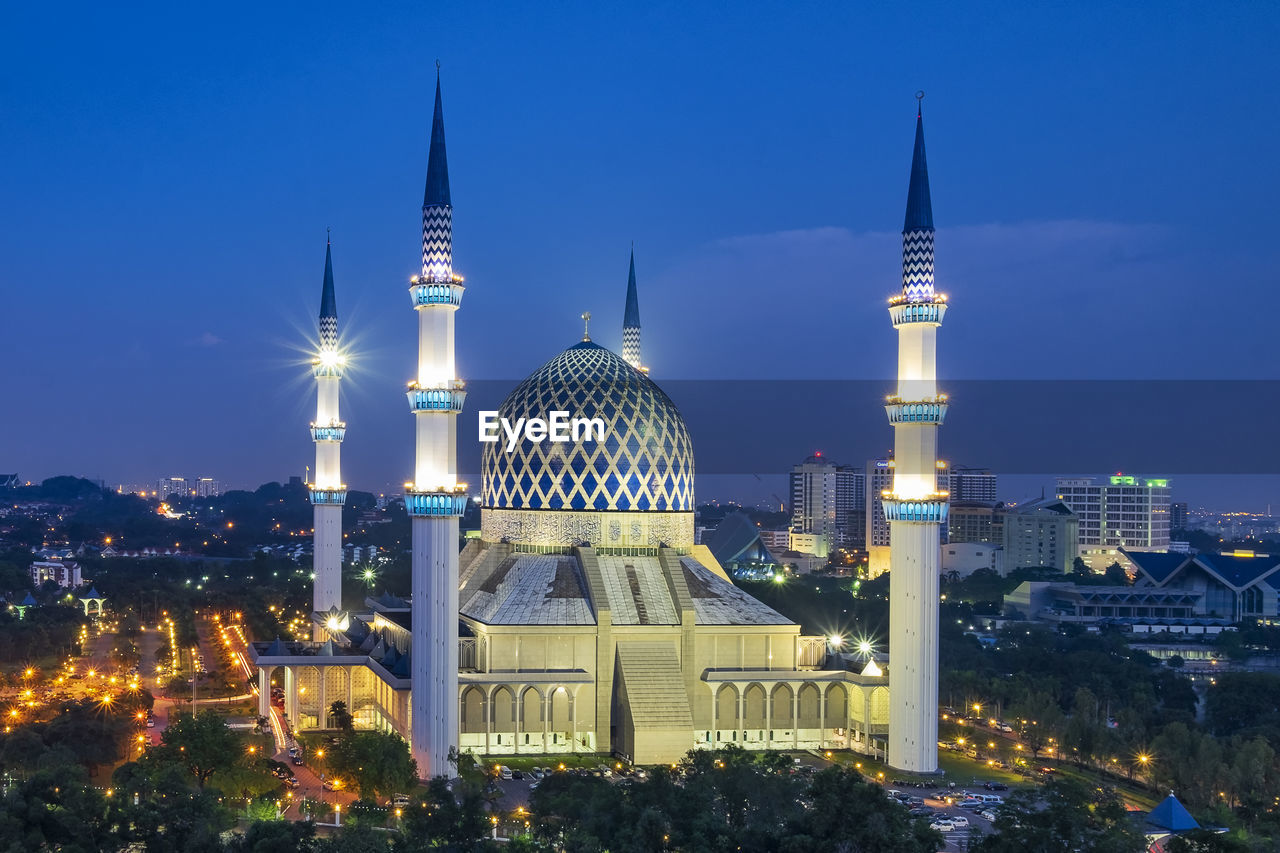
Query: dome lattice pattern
645	462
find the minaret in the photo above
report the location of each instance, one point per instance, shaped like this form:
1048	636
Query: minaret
435	499
631	320
914	507
328	494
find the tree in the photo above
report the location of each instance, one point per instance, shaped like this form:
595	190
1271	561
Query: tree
1065	815
203	744
341	716
57	809
848	813
440	818
378	763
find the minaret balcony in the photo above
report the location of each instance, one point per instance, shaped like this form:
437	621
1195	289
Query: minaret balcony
443	502
433	290
328	432
334	496
916	411
903	312
447	397
930	509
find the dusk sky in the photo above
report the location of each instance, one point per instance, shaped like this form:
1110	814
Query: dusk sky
1103	177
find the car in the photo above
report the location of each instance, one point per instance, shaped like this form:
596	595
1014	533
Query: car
1005	727
989	814
537	774
330	785
151	723
505	772
641	773
920	811
297	760
996	786
292	782
959	821
517	774
400	800
293	750
943	826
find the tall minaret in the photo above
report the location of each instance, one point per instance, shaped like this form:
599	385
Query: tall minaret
435	499
631	320
914	507
328	494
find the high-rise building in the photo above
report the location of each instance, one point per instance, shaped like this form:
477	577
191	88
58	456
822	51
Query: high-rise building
971	484
435	500
1178	515
825	498
1121	512
879	479
328	493
1040	533
975	521
915	508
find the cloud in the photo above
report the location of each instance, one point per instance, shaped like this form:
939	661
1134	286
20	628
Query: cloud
207	339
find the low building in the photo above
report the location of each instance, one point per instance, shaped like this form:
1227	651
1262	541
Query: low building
976	521
1041	533
965	558
65	573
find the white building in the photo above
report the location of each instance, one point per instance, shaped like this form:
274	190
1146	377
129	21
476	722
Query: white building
1121	512
64	573
965	558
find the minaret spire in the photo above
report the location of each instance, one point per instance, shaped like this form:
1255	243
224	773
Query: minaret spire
917	225
435	500
328	493
631	319
915	507
437	208
328	303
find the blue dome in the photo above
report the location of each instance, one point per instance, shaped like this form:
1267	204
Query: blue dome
644	464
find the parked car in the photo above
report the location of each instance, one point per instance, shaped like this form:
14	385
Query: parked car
330	785
996	786
517	774
943	826
400	800
989	814
920	811
292	782
505	772
151	723
537	774
959	821
297	760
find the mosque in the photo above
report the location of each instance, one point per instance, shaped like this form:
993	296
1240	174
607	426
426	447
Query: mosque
584	618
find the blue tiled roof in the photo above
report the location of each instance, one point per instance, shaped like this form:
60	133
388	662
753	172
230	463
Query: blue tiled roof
1238	571
1172	815
919	208
437	166
632	316
1156	565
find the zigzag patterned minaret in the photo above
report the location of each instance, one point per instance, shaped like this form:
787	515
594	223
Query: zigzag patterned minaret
914	507
328	493
631	320
435	500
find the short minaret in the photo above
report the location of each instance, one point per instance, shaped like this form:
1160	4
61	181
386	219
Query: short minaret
328	493
914	507
435	500
631	321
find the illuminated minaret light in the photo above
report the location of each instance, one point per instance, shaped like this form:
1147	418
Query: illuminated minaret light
328	493
914	507
631	321
435	500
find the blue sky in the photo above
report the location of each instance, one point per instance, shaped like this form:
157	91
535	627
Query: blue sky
1103	183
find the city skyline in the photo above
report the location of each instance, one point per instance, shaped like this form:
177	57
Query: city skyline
811	191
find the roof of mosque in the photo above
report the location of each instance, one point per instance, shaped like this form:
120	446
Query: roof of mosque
644	463
551	589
